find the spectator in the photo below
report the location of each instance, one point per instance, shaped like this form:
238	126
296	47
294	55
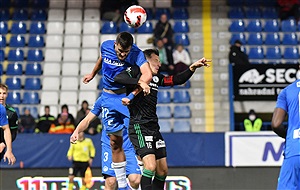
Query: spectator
111	10
163	30
45	121
65	123
252	123
27	122
94	127
165	57
289	8
82	112
181	59
236	55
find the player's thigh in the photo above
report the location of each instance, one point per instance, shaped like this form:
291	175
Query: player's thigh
107	160
113	120
149	162
161	166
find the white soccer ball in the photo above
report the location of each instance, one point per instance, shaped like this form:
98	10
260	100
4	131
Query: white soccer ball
135	16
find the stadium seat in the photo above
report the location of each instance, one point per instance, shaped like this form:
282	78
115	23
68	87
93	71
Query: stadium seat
3	27
238	36
71	54
51	69
181	27
36	41
182	39
182	111
38	15
182	126
4	15
18	28
15	55
1	69
75	3
109	27
2	41
256	53
91	14
69	83
86	67
236	13
90	41
66	71
51	83
273	53
74	41
163	96
186	85
272	39
35	55
124	27
180	14
91	27
73	27
68	97
255	39
180	3
89	96
56	15
20	14
55	27
37	28
13	98
54	41
253	13
254	26
270	13
160	11
74	15
163	112
271	25
13	83
181	96
17	41
49	55
33	111
40	4
2	55
291	53
49	98
32	83
290	38
89	54
235	3
30	97
289	25
146	28
149	12
90	86
237	26
33	69
165	125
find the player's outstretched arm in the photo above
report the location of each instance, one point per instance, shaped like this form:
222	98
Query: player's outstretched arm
277	119
87	78
8	154
199	63
145	78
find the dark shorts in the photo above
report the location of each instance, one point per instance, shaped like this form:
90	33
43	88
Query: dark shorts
78	167
147	139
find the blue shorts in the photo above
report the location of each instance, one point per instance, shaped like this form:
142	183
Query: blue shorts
115	115
289	177
132	166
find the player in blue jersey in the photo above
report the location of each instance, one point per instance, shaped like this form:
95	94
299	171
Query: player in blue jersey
132	168
288	104
116	56
7	136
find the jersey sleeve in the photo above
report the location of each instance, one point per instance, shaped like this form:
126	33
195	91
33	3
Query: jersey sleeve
281	100
128	77
3	117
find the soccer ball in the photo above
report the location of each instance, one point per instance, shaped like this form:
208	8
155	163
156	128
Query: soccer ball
135	16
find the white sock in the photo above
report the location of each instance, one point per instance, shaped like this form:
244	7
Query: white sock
120	171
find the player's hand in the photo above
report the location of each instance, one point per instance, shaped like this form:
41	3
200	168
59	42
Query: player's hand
125	101
145	87
87	78
10	157
74	137
200	63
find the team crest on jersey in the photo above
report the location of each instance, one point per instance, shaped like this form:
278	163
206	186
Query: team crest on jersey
113	62
155	79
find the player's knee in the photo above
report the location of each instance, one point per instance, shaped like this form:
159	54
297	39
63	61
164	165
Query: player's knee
134	180
150	166
110	183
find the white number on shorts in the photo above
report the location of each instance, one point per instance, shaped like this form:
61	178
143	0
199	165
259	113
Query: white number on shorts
105	156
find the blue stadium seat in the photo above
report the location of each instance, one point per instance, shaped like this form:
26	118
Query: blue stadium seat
180	3
38	15
36	41
271	26
14	69
163	112
2	55
35	55
37	28
181	26
253	13
289	25
13	98
40	3
182	39
1	71
17	41
270	13
254	26
32	83
3	27
272	39
15	55
165	125
186	85
180	14
291	53
236	12
149	13
256	53
163	96
13	83
33	69
4	14
21	3
290	38
237	26
255	39
182	111
237	36
160	11
20	14
30	97
146	28
273	53
19	28
182	126
2	41
181	96
126	28
109	27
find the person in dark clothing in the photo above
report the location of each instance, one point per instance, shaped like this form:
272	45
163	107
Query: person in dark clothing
27	122
45	121
165	57
289	8
236	55
82	112
163	30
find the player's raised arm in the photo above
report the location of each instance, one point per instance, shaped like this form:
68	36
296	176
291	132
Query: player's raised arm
145	78
87	78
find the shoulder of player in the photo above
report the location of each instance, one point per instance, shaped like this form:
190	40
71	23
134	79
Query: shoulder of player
9	108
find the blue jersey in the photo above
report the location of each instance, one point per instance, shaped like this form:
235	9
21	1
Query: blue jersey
111	65
288	100
3	117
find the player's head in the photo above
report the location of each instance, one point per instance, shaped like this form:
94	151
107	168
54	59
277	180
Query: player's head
3	93
152	57
123	45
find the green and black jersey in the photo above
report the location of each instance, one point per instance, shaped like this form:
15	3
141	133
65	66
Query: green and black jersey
13	119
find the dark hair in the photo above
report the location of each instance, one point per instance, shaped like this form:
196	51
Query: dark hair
47	106
149	52
64	106
125	39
